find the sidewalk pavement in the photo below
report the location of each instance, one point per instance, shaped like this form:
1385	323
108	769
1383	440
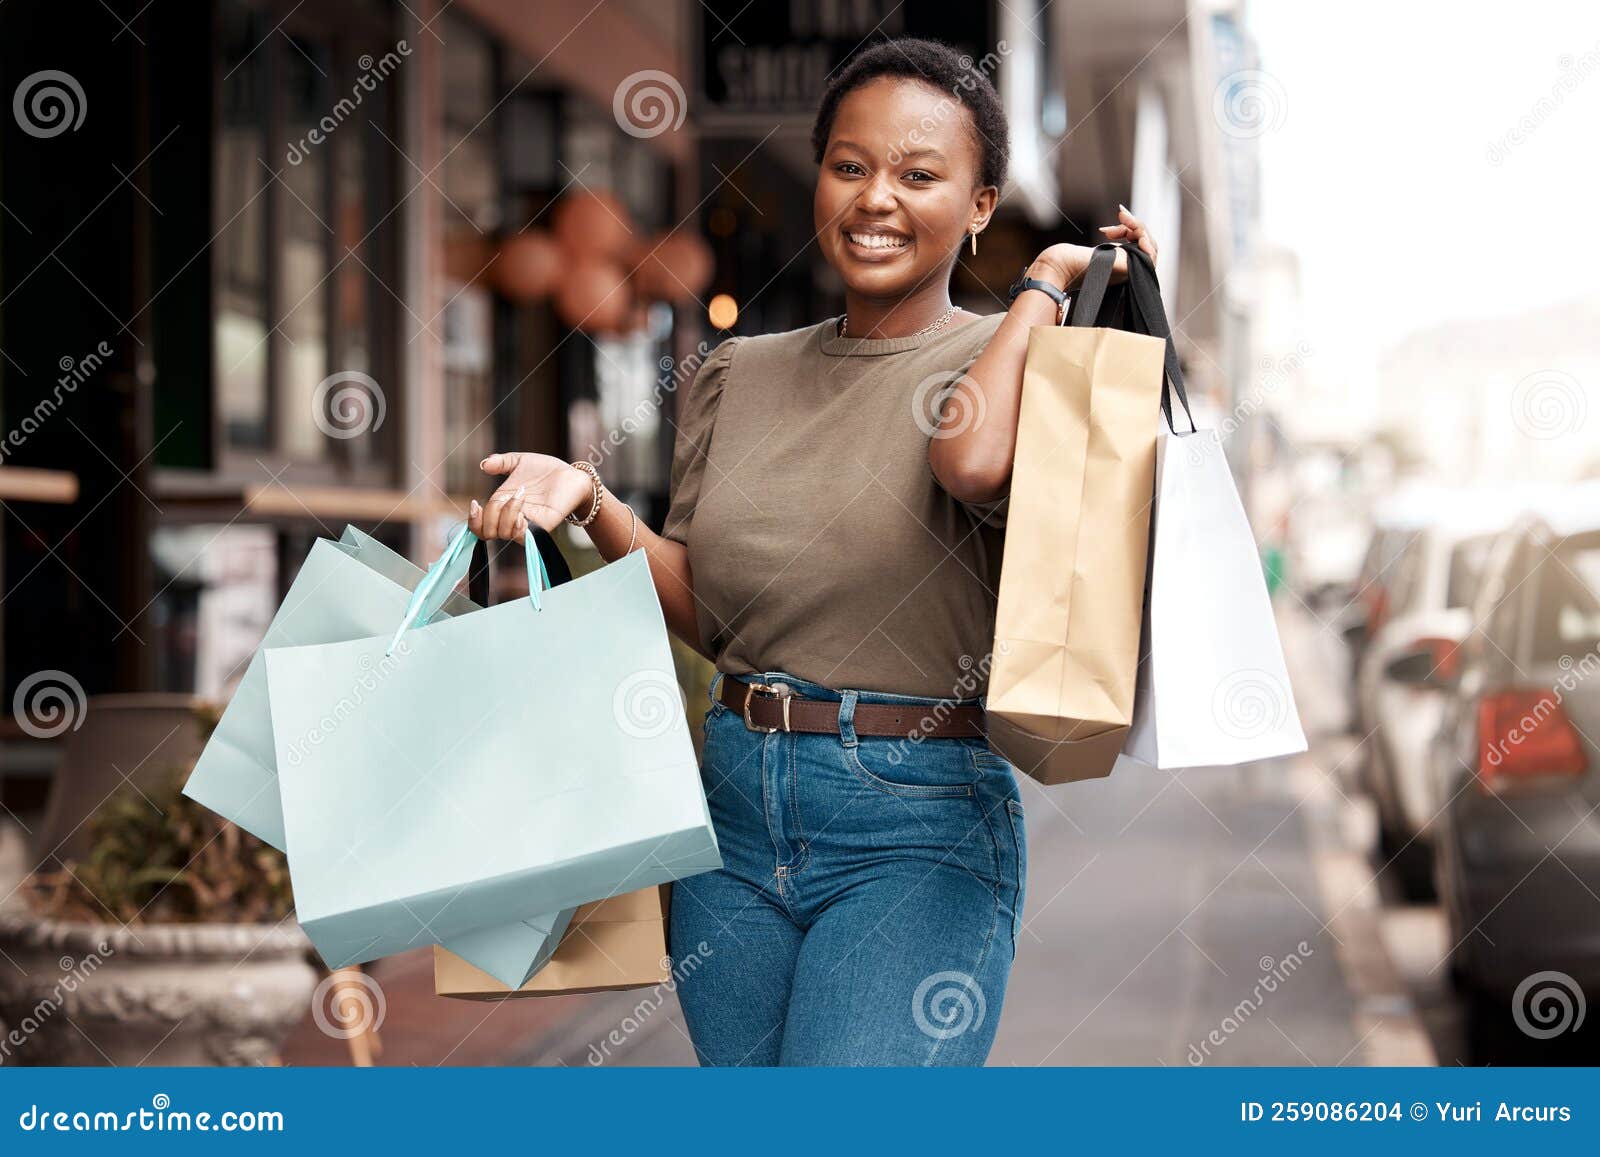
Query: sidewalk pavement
1164	924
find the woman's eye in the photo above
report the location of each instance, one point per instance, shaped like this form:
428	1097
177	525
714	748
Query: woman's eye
848	168
920	175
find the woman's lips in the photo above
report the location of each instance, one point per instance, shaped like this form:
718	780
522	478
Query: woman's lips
875	246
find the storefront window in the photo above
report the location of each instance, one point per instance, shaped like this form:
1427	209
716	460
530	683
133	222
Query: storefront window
306	238
241	289
471	215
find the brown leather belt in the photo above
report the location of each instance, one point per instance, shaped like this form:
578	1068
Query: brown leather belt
775	707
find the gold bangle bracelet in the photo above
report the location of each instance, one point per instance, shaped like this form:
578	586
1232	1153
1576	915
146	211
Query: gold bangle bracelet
599	490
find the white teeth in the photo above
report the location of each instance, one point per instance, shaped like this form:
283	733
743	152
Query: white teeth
877	240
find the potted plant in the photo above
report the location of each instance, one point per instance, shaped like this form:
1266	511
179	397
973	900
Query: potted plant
172	943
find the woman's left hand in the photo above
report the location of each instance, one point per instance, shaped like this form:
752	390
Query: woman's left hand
1065	264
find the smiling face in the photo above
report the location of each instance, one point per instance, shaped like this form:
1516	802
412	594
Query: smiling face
898	188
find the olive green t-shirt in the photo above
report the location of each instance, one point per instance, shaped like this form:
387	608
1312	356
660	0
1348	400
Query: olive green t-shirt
820	542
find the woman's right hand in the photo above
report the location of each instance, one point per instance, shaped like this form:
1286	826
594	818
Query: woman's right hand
538	489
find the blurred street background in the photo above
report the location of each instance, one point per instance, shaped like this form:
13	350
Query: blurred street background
268	268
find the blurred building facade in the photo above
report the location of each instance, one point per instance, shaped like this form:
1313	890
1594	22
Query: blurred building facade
251	294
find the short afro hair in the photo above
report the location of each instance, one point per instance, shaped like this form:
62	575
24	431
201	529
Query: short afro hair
939	65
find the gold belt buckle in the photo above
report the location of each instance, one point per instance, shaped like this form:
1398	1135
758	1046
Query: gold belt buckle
782	690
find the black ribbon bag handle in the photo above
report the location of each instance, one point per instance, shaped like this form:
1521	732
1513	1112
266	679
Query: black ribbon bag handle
478	576
1146	313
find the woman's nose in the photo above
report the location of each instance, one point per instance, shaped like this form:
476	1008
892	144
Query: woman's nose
878	196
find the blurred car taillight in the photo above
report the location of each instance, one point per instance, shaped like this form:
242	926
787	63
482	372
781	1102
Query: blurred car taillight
1377	607
1525	735
1446	655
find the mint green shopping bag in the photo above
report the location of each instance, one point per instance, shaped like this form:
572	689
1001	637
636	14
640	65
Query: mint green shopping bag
486	768
345	590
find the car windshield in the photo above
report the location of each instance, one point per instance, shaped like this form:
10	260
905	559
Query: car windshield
1566	616
1466	569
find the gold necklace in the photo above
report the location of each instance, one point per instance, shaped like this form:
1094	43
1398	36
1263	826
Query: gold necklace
844	324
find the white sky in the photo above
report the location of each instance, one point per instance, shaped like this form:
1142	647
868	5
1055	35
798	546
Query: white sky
1379	175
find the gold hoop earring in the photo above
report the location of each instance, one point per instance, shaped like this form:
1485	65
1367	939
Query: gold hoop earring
974	240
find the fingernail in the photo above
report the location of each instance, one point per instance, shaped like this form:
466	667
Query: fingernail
518	494
474	508
1123	207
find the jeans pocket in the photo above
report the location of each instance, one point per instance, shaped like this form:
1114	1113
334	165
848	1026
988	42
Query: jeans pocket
1019	844
930	769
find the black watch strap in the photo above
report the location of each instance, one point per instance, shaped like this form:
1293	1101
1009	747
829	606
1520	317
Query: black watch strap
1025	283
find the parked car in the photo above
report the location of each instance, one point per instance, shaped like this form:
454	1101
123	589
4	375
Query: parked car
1425	608
1396	522
1518	831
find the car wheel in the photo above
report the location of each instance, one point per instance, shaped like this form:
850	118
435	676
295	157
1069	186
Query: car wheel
1409	862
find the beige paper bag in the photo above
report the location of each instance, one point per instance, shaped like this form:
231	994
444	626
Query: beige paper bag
610	944
1066	650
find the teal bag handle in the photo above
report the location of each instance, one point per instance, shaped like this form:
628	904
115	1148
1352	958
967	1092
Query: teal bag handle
450	568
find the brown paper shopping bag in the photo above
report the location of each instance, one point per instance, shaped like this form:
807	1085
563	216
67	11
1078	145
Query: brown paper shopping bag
616	943
1066	652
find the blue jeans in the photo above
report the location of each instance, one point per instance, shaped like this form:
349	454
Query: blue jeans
869	901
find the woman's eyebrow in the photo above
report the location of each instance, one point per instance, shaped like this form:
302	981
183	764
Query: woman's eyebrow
904	155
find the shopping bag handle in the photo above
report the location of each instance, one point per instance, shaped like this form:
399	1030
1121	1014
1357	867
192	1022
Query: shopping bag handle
1147	313
450	567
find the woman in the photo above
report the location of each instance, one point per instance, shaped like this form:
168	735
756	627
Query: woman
833	544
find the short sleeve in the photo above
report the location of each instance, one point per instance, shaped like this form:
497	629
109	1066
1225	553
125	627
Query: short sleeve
696	418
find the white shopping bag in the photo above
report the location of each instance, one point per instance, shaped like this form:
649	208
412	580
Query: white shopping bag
1212	688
